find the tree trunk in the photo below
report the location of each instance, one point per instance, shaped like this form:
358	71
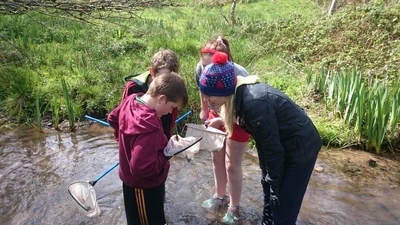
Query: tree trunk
233	19
332	8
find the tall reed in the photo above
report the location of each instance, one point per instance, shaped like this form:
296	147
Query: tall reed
394	119
55	107
68	101
360	103
354	83
366	108
377	117
38	114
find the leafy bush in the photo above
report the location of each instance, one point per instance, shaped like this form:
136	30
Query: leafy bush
367	37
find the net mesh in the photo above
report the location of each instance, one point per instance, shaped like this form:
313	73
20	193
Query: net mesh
84	194
213	139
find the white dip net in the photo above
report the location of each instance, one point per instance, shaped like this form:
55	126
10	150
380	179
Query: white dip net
84	194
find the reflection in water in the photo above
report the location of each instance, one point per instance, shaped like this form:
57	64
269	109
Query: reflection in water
36	169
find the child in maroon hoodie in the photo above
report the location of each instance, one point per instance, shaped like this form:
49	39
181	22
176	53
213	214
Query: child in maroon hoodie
143	167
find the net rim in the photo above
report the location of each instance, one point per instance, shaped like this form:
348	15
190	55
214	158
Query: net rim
76	200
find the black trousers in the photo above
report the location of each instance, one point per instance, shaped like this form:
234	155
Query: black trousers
144	206
293	187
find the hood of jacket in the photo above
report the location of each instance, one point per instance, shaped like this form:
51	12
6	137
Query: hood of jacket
246	80
137	118
238	92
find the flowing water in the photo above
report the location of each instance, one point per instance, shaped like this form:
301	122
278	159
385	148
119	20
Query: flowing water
36	169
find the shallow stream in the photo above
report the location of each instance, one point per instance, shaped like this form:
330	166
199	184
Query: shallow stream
36	169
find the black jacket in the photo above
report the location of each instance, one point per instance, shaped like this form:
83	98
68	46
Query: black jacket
284	134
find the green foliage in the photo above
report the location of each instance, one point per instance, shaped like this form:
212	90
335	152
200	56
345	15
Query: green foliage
377	117
282	42
361	106
334	132
17	86
38	113
366	37
68	103
55	104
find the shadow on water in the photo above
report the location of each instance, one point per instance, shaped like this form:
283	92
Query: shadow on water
36	169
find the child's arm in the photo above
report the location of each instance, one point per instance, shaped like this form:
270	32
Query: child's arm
204	108
112	119
147	157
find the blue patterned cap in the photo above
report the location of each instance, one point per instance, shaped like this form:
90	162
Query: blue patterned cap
218	78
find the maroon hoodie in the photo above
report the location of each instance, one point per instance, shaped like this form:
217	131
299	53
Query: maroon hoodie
142	163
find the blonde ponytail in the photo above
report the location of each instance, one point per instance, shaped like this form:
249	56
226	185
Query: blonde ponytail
228	114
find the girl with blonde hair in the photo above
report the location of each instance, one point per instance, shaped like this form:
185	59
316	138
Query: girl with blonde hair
286	139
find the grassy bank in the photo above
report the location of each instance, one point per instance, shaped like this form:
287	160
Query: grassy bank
280	41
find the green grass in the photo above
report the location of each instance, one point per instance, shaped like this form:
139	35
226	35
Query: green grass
277	40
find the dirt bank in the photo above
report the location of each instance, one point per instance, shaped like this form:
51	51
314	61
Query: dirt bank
362	167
